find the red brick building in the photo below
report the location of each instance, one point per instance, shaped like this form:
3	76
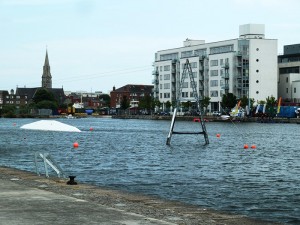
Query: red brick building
133	92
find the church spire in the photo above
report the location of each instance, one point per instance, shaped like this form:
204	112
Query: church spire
46	77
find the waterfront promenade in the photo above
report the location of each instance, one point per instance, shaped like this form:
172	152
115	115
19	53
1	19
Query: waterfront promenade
29	199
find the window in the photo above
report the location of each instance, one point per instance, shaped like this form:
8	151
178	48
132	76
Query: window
287	90
257	92
160	77
213	62
214	94
214	83
186	54
221	62
214	73
185	85
287	79
160	68
193	64
167	77
166	95
294	90
160	86
167	86
221	49
257	60
257	81
167	68
169	56
192	94
185	94
200	52
194	74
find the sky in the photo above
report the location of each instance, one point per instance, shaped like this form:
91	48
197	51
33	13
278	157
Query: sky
94	45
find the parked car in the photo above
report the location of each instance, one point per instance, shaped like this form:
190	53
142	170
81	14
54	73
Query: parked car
216	113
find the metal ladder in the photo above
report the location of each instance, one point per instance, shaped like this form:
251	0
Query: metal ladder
187	71
48	160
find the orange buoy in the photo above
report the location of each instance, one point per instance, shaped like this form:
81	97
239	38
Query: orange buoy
91	129
246	146
253	146
218	135
75	144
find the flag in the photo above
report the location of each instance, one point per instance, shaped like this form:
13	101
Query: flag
278	107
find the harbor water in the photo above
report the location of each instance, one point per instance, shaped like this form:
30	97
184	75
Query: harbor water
132	155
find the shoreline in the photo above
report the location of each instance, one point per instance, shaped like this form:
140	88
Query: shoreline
174	212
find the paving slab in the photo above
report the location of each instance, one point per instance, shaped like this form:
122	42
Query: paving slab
28	199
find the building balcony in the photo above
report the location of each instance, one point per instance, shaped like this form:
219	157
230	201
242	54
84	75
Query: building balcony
173	70
156	90
155	72
201	88
238	54
239	64
238	86
225	75
239	76
226	66
155	81
225	86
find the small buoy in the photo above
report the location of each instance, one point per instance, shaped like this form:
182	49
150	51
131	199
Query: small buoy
75	145
253	146
218	135
91	129
245	146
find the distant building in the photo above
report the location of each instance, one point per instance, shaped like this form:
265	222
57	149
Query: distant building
289	74
133	93
245	66
46	77
24	96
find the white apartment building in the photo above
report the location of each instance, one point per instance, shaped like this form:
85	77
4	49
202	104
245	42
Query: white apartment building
245	66
289	74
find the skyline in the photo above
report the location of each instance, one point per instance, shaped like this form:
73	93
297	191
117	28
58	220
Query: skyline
95	45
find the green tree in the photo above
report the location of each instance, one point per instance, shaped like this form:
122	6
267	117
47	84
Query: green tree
9	111
271	106
204	103
125	104
106	99
245	102
42	94
46	104
228	102
168	105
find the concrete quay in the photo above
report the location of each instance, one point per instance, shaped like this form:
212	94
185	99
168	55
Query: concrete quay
28	199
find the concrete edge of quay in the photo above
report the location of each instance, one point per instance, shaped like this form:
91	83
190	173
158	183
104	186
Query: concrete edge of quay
154	208
212	118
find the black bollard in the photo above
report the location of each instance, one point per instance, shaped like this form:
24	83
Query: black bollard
71	181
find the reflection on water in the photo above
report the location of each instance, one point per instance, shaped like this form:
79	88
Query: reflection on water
131	155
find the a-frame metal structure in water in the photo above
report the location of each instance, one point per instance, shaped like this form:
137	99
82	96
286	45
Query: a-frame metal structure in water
187	71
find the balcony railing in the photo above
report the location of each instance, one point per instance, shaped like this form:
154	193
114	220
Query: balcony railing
225	86
225	75
155	72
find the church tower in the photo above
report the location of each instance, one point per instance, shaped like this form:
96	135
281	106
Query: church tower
46	77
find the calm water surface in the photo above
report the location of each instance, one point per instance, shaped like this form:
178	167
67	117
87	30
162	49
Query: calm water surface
132	155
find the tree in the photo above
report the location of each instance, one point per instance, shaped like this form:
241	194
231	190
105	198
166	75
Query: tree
270	106
125	104
9	111
168	105
204	103
245	102
228	102
146	102
106	99
42	94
